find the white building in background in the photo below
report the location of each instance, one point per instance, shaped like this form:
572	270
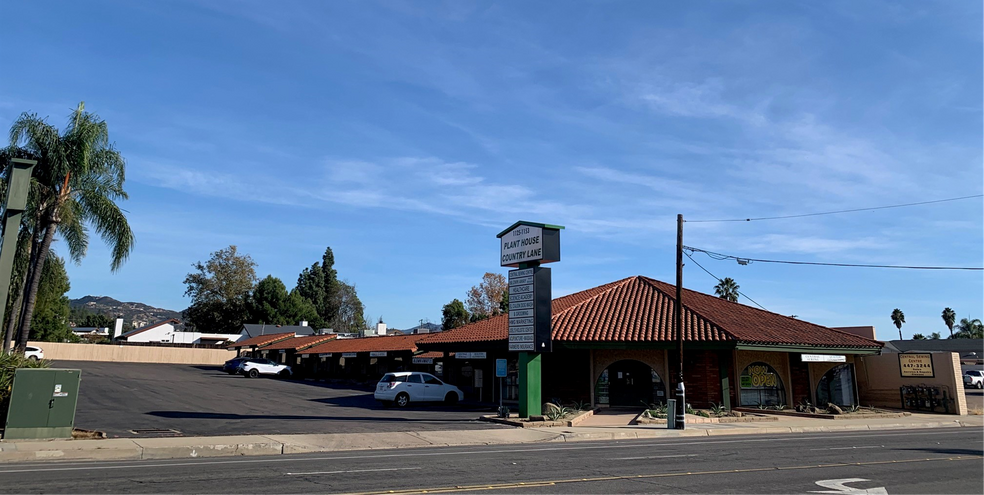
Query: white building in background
164	332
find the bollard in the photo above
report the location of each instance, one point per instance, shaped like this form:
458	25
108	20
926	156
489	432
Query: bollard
670	414
681	411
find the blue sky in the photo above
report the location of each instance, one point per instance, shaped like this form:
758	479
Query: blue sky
405	135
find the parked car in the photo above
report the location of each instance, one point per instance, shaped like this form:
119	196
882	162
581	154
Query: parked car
405	387
233	365
34	353
252	368
974	378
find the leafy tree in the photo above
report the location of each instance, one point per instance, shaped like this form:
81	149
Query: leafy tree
76	184
81	317
918	336
949	317
969	329
898	318
504	303
219	291
349	316
934	336
454	315
320	285
477	317
271	304
51	311
727	289
485	298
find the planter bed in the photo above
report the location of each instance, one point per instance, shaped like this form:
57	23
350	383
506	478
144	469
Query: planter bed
695	419
515	420
795	414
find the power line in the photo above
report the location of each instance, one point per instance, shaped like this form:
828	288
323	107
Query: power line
838	211
719	280
745	261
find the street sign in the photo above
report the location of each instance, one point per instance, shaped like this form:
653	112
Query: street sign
501	368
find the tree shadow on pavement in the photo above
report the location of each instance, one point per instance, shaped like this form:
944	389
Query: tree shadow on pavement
943	450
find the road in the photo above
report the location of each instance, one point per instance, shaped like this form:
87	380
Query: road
118	398
913	461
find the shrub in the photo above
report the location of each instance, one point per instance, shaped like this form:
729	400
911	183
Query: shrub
559	413
718	409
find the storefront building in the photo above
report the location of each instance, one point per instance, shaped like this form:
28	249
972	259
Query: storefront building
615	346
364	359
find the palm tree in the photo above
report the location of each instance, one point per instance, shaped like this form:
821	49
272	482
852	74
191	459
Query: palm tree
727	289
948	318
78	179
969	329
898	318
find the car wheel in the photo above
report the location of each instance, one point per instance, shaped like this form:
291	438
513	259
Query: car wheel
284	374
980	385
451	399
253	373
402	400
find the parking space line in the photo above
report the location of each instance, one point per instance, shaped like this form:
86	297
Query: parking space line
354	471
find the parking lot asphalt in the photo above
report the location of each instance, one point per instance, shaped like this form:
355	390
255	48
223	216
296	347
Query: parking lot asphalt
118	398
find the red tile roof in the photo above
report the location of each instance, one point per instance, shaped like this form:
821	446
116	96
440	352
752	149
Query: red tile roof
431	355
640	309
298	343
369	344
261	340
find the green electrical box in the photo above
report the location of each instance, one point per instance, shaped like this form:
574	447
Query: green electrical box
42	403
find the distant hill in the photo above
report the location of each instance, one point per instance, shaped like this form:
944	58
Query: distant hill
428	328
134	313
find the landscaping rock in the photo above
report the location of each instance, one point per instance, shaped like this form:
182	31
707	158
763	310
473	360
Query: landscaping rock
834	409
549	407
537	418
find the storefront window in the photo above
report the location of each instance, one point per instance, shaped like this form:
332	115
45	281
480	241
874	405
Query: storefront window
629	383
761	386
837	386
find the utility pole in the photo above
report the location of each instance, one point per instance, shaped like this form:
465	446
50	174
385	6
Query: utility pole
681	411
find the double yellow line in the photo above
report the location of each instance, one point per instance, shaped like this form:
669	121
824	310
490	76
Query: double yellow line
534	484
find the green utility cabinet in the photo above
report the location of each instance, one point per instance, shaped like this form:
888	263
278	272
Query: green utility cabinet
42	403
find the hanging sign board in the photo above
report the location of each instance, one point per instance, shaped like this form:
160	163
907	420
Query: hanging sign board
916	365
823	358
469	355
526	242
377	354
349	354
423	360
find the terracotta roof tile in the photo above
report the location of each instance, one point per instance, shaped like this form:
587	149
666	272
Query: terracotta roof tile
369	344
640	309
298	343
261	340
431	355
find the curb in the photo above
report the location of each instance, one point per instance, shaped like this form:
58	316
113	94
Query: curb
239	446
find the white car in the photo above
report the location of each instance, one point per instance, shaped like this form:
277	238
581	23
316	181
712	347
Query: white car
405	387
34	353
974	378
253	368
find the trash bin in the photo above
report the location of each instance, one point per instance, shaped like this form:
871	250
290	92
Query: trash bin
42	403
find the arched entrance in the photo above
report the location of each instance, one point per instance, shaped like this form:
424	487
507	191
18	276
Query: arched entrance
761	386
629	383
837	386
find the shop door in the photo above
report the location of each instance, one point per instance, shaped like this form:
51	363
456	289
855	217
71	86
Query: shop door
630	384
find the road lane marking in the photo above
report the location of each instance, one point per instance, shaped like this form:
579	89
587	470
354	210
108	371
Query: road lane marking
840	486
850	448
354	471
651	457
640	445
527	484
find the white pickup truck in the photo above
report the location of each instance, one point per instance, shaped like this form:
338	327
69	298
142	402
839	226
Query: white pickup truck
974	379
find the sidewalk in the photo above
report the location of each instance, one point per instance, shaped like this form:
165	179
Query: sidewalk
251	445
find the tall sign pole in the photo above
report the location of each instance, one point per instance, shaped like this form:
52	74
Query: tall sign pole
525	246
14	205
681	412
